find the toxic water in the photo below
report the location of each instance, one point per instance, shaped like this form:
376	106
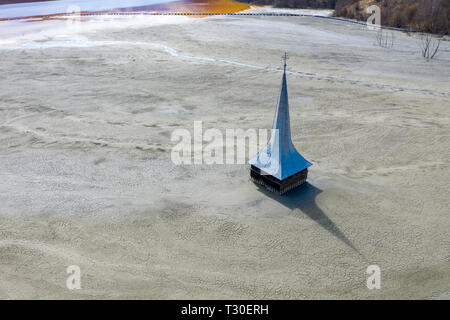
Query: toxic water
12	9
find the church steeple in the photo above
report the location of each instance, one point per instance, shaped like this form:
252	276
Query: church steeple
281	130
279	159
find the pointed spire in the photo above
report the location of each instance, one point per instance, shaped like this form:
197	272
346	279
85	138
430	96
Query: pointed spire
281	126
280	158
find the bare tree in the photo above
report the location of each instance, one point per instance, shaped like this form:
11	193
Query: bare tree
429	46
385	39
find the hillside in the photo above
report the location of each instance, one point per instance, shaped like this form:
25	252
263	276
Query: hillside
424	15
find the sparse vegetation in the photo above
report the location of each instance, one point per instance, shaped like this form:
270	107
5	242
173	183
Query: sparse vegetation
385	39
430	46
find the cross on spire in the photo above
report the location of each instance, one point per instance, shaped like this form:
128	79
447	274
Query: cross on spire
285	58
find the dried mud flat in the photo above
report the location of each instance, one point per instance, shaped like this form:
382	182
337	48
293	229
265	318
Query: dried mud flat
85	126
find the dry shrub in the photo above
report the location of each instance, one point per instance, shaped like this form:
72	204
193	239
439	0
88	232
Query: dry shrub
430	46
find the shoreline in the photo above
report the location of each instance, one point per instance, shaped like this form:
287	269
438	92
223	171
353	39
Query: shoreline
192	6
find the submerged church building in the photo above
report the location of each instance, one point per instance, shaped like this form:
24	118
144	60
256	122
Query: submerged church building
278	166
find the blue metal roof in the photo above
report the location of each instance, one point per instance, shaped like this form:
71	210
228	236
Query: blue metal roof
279	158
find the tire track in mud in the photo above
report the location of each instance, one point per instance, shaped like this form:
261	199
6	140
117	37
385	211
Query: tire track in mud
102	142
174	52
42	247
50	250
301	74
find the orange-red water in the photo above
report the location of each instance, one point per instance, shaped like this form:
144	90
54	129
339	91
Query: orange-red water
194	6
181	6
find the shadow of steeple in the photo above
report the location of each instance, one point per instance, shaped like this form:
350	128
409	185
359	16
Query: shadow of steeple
304	199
